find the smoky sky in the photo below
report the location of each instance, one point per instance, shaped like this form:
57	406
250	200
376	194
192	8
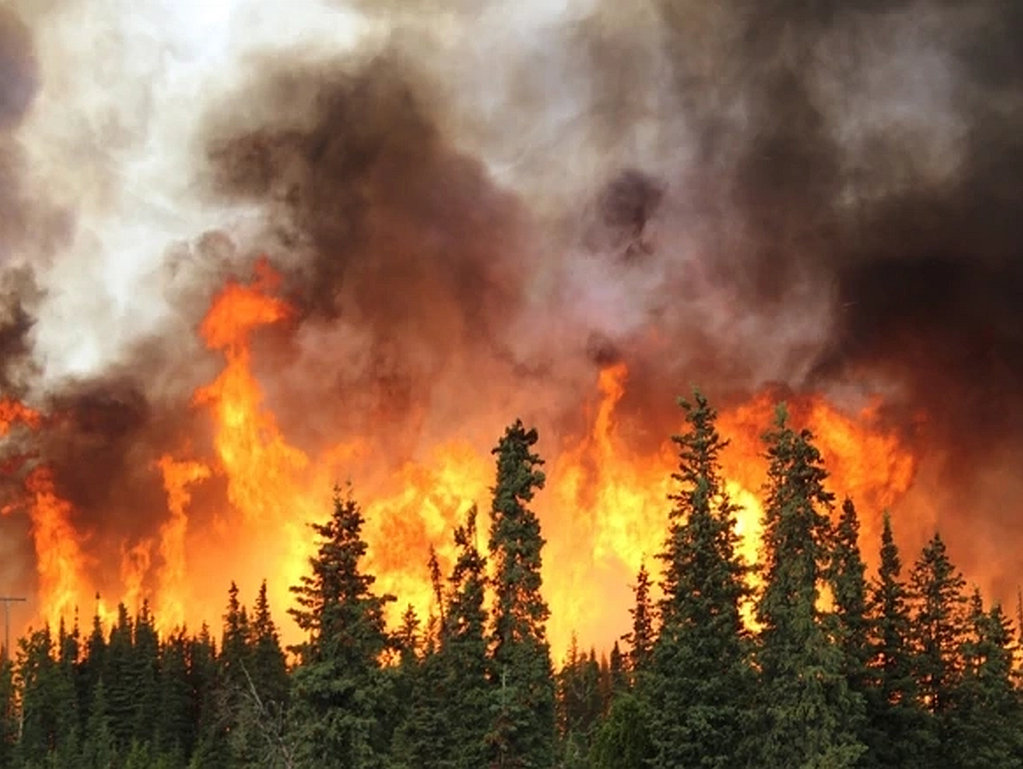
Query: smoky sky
740	194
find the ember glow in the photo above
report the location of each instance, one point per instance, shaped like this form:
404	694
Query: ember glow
253	254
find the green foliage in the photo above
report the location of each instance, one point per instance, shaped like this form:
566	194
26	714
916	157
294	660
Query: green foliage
892	676
808	715
700	682
641	639
938	630
623	740
522	703
898	731
340	693
982	728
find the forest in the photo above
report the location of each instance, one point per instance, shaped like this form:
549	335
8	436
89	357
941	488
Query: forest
803	659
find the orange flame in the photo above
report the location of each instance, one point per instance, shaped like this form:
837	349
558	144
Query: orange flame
59	560
604	511
177	477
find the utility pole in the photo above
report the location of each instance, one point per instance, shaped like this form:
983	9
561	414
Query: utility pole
7	622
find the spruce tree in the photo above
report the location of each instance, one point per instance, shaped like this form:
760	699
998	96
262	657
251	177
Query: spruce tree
898	729
700	681
850	625
808	713
938	627
522	730
175	731
339	691
48	701
641	639
579	706
463	651
983	726
269	667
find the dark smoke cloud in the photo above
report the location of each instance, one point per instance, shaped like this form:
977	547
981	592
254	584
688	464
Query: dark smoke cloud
732	194
378	222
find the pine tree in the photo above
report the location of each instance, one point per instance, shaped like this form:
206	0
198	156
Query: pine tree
463	651
339	690
98	749
145	670
269	666
641	639
522	730
700	680
175	732
898	732
119	679
847	579
210	750
809	714
623	739
49	705
939	626
983	725
579	706
235	652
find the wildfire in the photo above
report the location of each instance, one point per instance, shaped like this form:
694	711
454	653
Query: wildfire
604	510
59	560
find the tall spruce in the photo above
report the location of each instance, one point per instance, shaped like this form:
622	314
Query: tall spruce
938	627
339	692
850	624
641	638
269	674
464	650
700	681
898	729
984	724
522	729
809	715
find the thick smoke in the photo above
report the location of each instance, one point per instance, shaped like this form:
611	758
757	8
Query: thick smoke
478	206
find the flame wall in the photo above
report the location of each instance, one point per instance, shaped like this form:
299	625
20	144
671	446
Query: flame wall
563	212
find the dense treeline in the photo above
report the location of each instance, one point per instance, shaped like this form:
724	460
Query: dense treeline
800	660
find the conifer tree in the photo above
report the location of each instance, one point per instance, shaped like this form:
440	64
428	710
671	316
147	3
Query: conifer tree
579	705
339	690
700	681
269	667
175	734
983	726
48	708
235	653
938	627
850	625
145	671
623	739
641	639
898	731
98	748
463	650
522	730
809	714
120	679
